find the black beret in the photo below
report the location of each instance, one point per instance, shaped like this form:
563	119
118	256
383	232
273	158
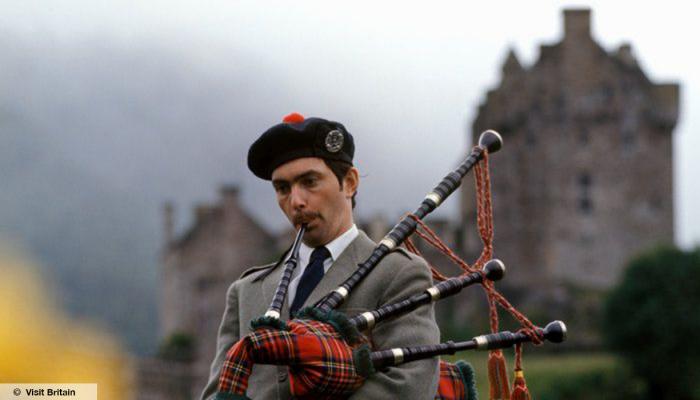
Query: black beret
299	137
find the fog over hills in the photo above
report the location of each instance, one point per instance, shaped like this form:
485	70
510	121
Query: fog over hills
93	138
95	134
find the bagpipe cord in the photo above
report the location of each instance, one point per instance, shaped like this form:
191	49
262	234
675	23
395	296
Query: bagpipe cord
499	388
520	391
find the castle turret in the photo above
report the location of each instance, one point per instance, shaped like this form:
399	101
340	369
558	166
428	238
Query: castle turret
511	66
577	24
625	55
229	196
168	223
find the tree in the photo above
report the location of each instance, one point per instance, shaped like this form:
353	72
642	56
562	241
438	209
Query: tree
652	319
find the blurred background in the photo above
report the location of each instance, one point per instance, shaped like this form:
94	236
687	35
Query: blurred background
127	209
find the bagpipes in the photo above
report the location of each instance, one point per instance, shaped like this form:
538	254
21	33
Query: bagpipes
328	356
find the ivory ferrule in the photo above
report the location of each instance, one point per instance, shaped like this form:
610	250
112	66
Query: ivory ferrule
342	292
369	317
273	314
481	342
434	197
398	356
434	293
388	242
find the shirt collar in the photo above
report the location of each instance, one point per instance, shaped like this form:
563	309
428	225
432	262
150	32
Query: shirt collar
335	246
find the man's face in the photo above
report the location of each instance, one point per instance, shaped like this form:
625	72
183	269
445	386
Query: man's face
308	192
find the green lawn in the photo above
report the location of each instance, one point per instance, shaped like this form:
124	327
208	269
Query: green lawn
541	371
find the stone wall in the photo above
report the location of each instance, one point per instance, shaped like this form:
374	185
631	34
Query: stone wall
157	379
198	268
584	180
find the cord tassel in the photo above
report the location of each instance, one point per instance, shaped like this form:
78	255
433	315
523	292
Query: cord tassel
520	391
499	388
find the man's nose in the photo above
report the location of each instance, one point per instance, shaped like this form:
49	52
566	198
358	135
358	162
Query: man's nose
297	197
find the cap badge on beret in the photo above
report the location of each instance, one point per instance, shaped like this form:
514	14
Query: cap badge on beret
297	137
334	141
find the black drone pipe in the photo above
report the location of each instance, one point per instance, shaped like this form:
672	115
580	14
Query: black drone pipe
489	141
554	332
493	271
289	266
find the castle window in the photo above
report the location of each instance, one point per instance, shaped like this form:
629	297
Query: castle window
607	91
583	136
628	141
560	110
530	138
586	239
204	284
585	203
584	179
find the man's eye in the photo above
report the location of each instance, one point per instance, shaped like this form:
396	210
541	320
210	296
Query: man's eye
282	189
310	181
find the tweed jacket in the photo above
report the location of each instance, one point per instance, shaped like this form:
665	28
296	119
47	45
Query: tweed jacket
399	275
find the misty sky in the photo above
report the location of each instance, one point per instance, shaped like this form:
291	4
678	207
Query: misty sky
404	77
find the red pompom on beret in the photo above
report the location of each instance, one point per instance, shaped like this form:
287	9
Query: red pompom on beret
293	118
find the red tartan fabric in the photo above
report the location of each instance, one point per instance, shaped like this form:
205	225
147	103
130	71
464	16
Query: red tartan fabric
237	367
451	385
320	361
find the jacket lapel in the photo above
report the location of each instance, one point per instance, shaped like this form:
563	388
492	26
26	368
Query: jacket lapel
342	268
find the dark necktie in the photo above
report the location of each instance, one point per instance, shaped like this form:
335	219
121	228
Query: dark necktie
311	277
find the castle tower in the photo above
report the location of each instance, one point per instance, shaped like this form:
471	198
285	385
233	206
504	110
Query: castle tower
198	267
585	178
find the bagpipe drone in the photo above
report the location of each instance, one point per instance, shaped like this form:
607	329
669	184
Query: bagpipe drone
328	356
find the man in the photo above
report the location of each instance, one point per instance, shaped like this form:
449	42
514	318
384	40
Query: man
309	162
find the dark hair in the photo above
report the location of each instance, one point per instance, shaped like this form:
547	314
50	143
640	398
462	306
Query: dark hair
340	169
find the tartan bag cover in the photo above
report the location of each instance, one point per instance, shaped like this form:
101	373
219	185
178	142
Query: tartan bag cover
450	386
320	361
456	382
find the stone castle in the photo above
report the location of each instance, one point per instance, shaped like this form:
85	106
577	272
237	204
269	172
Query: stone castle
197	269
583	183
585	180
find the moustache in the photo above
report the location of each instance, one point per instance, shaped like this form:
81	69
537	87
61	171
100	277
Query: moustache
305	217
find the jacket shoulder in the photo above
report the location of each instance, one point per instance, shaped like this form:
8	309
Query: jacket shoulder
399	259
253	271
404	252
365	244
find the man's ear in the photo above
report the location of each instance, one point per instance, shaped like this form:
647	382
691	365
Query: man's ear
351	182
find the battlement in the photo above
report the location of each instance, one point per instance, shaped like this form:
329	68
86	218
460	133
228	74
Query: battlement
511	65
624	53
577	24
667	100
